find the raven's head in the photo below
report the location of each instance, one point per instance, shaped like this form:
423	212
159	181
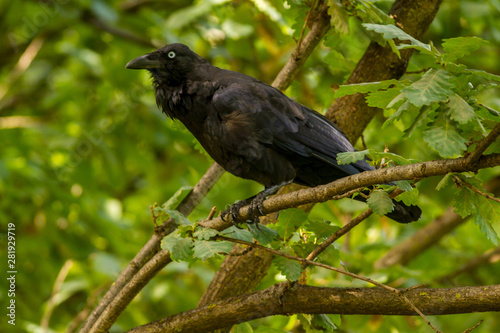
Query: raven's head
172	64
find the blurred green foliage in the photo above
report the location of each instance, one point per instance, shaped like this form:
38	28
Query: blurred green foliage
86	152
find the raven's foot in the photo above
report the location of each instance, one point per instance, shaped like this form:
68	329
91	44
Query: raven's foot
256	208
233	212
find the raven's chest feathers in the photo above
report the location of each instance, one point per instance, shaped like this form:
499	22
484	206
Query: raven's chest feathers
185	101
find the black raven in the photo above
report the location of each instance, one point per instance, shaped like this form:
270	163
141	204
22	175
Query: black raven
251	129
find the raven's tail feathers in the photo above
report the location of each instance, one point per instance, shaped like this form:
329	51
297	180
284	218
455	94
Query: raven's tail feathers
403	213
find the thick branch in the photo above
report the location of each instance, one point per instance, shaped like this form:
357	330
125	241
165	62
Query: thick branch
281	299
324	193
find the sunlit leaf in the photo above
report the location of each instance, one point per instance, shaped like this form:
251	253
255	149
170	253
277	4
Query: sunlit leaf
458	47
380	202
434	86
445	139
206	249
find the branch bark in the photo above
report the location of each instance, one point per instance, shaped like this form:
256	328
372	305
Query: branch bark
324	193
283	299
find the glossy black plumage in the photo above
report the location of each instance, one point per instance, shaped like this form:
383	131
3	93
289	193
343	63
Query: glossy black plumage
251	129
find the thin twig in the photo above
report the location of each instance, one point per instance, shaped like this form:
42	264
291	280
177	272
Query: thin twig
470	186
306	262
483	145
474	327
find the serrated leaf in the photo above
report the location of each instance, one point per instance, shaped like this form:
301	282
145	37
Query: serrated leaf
464	202
338	16
370	13
445	139
263	234
205	249
178	217
323	321
365	87
177	197
330	256
292	269
351	156
405	185
409	197
180	248
488	211
434	86
483	74
237	233
322	229
445	181
382	98
205	233
399	160
380	202
458	47
289	220
390	31
460	110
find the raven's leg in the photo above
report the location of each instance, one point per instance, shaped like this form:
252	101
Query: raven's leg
256	205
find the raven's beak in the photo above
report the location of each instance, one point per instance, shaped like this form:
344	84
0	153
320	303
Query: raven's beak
144	62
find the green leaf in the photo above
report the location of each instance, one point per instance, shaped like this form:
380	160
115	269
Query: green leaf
180	248
488	211
445	181
323	321
409	197
237	233
178	217
370	13
322	229
206	249
351	157
445	139
382	98
399	160
458	47
289	220
405	185
292	269
205	233
390	32
483	74
177	197
338	16
464	202
434	86
460	110
263	234
330	256
380	202
243	328
363	88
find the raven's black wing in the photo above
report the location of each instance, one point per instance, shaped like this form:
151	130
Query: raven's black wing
304	137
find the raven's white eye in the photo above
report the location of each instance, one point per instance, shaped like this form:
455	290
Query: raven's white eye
171	54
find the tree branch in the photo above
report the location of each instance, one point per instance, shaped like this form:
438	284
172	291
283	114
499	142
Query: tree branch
112	304
324	193
283	299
